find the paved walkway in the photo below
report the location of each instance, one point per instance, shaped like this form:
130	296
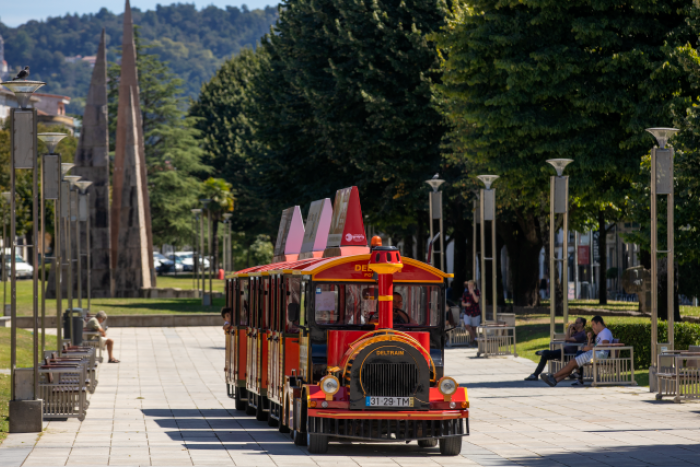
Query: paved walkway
166	405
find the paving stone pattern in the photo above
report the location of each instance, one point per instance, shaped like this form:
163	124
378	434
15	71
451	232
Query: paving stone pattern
166	405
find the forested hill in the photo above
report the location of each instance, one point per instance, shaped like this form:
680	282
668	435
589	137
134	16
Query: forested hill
193	42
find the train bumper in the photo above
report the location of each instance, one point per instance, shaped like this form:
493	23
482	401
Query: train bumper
388	426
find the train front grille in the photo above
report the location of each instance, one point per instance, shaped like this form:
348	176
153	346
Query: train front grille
389	379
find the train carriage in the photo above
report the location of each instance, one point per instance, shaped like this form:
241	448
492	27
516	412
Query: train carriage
348	347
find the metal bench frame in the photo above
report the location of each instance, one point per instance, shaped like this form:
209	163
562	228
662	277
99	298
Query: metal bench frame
62	397
679	377
496	340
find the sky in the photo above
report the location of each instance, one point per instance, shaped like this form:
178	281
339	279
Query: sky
13	12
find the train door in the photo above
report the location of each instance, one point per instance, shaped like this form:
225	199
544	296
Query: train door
229	353
263	335
241	305
274	342
290	314
251	363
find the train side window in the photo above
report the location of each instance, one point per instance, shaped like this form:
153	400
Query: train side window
293	304
420	302
265	301
326	299
302	307
243	304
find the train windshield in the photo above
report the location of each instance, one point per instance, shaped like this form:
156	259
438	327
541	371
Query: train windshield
357	304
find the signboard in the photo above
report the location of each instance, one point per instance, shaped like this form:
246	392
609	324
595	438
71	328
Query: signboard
584	255
318	224
596	255
572	291
290	233
347	227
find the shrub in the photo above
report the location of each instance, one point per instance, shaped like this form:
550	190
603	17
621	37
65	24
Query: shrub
639	336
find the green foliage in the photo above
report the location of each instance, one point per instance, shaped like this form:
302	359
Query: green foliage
527	81
248	252
228	138
173	153
345	99
195	42
639	336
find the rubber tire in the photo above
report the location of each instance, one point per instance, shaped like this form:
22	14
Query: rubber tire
451	446
283	428
273	422
299	438
427	443
249	409
317	444
260	414
240	403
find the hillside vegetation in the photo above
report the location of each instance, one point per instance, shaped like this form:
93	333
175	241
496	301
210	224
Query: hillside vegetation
193	42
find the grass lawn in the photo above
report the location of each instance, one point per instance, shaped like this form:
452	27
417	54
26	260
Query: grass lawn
131	306
686	310
533	335
24	359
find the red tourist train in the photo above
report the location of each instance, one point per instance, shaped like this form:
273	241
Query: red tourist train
339	341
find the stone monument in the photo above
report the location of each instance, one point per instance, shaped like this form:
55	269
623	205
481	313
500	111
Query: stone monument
92	163
130	217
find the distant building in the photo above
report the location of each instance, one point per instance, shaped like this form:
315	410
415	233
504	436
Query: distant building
90	60
9	101
52	104
51	109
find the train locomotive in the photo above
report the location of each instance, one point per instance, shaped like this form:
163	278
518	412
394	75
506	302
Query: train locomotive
346	347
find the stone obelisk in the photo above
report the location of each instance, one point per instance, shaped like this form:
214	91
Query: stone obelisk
130	222
92	163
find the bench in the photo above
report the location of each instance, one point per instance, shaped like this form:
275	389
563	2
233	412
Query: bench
616	369
678	374
457	337
496	340
89	341
555	365
61	391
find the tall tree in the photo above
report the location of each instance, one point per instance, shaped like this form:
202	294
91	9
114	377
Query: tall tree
218	191
526	81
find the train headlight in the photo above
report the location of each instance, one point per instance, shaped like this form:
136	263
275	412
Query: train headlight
447	386
330	385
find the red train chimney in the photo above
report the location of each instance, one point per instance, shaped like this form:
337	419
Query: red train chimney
385	261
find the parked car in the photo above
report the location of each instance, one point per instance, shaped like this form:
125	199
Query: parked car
162	264
23	270
188	260
179	267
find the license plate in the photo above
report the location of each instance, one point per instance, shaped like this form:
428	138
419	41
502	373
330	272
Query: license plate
373	401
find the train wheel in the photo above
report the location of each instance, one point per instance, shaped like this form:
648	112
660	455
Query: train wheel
318	444
260	414
249	409
241	404
451	446
299	438
270	420
427	443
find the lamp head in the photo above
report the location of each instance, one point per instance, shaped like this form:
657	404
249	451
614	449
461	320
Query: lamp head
196	211
488	180
83	185
435	182
65	167
23	90
51	140
662	135
227	215
205	202
72	179
559	165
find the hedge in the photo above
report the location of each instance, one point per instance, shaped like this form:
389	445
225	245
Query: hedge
639	336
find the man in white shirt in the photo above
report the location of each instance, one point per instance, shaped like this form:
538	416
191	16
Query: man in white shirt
603	337
95	325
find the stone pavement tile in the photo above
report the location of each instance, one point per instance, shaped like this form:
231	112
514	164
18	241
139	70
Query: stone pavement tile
170	461
87	460
42	451
38	461
90	450
126	451
129	461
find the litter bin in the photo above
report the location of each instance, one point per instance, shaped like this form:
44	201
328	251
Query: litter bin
78	323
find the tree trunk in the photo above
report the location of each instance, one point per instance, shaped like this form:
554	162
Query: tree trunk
523	240
420	236
602	252
215	244
462	254
407	245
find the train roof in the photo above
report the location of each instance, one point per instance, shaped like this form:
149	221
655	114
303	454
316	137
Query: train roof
347	269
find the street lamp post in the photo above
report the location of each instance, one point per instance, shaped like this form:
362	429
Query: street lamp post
83	216
661	184
50	184
69	219
207	299
487	212
435	208
62	211
558	204
475	221
6	199
197	253
23	155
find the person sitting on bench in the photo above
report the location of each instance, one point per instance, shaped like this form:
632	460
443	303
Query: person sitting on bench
603	337
95	325
576	332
